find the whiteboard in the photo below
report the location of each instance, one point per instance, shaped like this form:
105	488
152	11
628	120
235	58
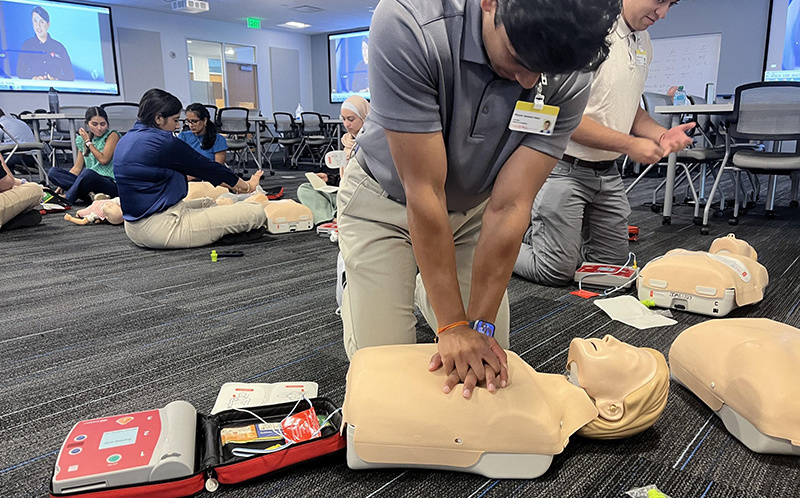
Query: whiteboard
691	61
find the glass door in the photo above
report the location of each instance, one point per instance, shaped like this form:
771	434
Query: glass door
206	81
241	76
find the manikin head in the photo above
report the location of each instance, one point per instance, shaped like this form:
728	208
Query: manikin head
524	38
641	14
628	385
731	246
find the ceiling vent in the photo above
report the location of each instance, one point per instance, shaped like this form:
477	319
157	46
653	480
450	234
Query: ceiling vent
307	9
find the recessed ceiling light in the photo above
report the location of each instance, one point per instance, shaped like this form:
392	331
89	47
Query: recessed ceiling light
188	41
295	25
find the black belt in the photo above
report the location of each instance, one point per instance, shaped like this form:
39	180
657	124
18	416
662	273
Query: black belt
596	165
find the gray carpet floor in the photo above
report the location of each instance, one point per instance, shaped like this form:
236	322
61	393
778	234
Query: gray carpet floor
92	325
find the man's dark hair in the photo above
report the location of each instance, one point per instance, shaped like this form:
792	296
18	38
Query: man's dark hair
157	101
210	137
558	36
42	13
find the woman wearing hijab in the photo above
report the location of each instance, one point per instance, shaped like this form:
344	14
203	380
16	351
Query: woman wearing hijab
323	204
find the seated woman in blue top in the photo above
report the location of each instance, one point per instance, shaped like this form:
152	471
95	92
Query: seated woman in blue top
151	166
202	134
93	171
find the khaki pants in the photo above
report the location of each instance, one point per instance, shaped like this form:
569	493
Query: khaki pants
194	223
378	301
19	199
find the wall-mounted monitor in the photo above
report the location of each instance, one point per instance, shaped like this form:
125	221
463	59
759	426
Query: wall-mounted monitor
347	65
67	46
782	59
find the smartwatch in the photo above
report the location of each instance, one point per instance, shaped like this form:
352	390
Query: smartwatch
486	328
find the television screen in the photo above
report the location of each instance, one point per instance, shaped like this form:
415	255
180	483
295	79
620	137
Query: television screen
347	64
783	42
66	46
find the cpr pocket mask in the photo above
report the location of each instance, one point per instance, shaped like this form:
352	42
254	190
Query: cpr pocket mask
710	283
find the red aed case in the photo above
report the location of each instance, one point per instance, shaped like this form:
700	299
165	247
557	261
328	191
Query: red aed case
213	462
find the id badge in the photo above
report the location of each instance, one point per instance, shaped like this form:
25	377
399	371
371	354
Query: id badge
529	119
641	57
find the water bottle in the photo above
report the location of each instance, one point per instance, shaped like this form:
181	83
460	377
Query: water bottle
52	100
680	97
711	93
298	111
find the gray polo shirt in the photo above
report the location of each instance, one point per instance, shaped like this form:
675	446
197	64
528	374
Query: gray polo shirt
428	72
15	128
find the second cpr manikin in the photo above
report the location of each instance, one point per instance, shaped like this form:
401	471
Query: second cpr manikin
710	283
746	370
398	416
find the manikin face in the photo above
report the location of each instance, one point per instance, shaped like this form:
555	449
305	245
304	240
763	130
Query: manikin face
641	14
170	123
196	125
502	56
40	26
352	122
609	370
97	125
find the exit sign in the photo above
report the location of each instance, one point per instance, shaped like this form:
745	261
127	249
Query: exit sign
254	23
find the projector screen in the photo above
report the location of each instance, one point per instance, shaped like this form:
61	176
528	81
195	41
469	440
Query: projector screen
347	65
782	61
66	46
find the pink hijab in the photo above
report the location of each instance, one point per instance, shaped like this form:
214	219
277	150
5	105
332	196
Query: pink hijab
360	107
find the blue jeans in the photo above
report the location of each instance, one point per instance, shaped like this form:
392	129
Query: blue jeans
78	187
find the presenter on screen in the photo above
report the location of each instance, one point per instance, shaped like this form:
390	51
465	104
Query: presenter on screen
41	57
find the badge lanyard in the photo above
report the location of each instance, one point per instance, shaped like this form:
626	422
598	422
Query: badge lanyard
535	117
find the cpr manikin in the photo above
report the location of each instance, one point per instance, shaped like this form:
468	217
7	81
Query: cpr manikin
746	370
711	283
282	216
628	385
398	416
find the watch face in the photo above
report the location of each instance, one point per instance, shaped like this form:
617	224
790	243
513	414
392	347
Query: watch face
485	328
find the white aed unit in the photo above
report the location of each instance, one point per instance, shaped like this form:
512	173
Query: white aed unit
127	449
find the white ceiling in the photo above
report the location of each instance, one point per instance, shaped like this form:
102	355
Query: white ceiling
337	15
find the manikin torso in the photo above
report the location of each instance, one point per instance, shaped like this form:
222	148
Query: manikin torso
402	417
748	366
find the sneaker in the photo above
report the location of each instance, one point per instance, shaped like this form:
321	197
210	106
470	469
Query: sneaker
100	196
238	238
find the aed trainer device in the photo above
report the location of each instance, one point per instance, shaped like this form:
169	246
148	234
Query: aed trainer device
128	449
602	276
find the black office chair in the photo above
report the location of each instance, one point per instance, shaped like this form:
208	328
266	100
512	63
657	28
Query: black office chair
288	135
315	139
766	111
121	115
234	123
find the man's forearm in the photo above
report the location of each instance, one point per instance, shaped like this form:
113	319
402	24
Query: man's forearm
645	126
434	250
592	134
505	220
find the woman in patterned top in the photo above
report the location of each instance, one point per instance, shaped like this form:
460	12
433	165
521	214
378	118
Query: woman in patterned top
93	171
